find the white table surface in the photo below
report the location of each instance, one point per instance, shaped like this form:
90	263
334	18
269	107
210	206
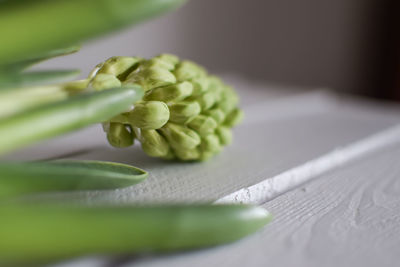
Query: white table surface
325	166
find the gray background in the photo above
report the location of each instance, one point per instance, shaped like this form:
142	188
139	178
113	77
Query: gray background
307	43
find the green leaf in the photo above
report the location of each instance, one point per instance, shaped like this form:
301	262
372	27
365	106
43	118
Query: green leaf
30	28
60	117
31	177
42	233
16	100
14	80
25	63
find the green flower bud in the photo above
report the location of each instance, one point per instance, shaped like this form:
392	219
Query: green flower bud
229	100
119	136
233	118
210	143
180	137
105	81
76	87
154	144
206	100
184	112
119	65
149	115
187	70
200	85
217	93
188	154
171	59
169	93
217	114
121	118
94	71
217	87
159	63
105	126
150	78
215	82
210	146
224	135
203	125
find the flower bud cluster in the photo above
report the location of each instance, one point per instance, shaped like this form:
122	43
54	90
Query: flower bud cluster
185	113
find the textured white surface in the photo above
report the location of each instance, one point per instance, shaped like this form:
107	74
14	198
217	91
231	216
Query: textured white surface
265	190
348	217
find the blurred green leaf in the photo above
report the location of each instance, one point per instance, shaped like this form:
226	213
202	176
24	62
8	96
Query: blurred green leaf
46	232
23	64
19	178
31	78
60	117
16	100
29	28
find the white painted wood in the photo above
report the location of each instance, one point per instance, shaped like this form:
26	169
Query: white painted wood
348	217
268	189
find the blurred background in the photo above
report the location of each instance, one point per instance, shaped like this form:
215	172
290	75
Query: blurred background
351	46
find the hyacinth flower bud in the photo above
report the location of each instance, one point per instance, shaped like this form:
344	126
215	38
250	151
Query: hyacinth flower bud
187	70
188	154
105	81
172	59
200	85
234	118
150	78
229	100
149	115
203	125
210	145
175	92
154	144
217	114
159	63
119	136
165	61
117	66
180	137
185	113
206	100
224	134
